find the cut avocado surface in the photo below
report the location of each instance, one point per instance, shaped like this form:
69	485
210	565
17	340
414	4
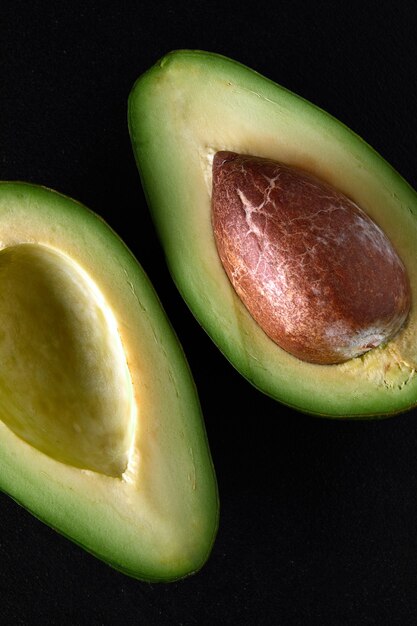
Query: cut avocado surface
190	106
101	433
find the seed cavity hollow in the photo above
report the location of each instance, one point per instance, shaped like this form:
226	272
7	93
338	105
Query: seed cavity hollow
65	387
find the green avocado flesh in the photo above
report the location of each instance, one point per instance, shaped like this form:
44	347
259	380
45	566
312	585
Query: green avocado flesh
193	104
101	433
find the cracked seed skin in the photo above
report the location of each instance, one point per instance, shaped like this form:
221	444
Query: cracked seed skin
317	274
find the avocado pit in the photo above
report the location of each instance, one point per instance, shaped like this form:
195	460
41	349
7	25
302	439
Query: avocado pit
315	272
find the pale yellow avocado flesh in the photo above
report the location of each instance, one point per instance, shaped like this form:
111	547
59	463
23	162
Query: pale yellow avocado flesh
101	433
193	104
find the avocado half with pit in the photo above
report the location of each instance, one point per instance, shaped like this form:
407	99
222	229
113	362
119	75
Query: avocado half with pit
101	433
193	105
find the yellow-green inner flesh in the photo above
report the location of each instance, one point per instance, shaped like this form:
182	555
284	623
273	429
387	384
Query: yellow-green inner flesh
65	387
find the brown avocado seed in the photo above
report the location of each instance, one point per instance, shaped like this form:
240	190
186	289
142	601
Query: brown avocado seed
316	273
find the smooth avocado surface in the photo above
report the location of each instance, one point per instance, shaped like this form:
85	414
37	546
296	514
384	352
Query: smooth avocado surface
190	106
101	432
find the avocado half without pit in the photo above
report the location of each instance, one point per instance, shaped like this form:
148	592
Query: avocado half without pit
101	434
291	240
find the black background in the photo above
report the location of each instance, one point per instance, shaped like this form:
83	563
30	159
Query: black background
319	518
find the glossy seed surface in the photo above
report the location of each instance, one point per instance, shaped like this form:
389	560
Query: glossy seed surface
316	273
